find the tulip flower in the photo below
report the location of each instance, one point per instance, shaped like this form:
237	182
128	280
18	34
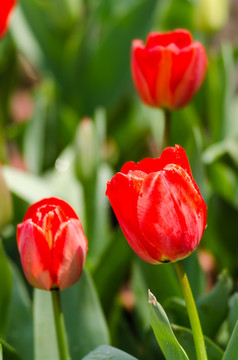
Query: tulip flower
52	244
169	69
5	11
159	206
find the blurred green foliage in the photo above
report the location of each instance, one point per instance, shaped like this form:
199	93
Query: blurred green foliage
70	117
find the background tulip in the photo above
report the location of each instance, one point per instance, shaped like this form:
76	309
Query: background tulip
6	8
169	69
159	206
52	244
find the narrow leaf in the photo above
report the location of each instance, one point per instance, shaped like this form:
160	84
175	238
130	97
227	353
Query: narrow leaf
85	323
108	352
213	307
6	289
233	311
232	347
7	352
45	343
185	338
19	331
167	341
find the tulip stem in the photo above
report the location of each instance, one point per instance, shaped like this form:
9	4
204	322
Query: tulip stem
59	326
192	312
167	127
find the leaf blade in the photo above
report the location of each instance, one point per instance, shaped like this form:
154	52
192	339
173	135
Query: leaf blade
168	343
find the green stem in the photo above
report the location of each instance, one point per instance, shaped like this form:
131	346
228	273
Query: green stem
59	326
192	312
167	127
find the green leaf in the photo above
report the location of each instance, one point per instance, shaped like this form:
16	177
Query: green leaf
27	186
213	307
19	327
108	352
224	180
111	53
85	323
45	342
111	271
6	289
232	347
185	338
167	341
233	311
195	275
7	352
176	311
139	288
161	280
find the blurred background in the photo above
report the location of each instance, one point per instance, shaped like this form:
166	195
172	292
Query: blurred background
70	118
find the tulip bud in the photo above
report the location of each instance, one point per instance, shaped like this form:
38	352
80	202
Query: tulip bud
159	206
211	15
6	8
169	69
52	244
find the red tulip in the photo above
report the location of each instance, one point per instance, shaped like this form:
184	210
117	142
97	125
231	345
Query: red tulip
169	69
5	10
52	244
159	206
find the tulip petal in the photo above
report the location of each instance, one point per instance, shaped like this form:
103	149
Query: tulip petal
170	155
35	255
123	196
141	80
188	72
38	210
181	38
69	253
171	213
6	9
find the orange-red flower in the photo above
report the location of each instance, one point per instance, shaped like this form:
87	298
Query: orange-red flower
169	69
6	8
159	206
52	244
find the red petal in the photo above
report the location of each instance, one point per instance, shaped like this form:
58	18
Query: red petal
171	214
188	72
6	8
141	72
128	166
170	155
123	195
38	210
35	255
181	38
69	253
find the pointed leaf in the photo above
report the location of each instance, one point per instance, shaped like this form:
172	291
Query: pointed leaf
233	311
167	341
232	347
19	331
108	352
27	186
7	352
6	289
213	307
45	343
185	338
85	323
